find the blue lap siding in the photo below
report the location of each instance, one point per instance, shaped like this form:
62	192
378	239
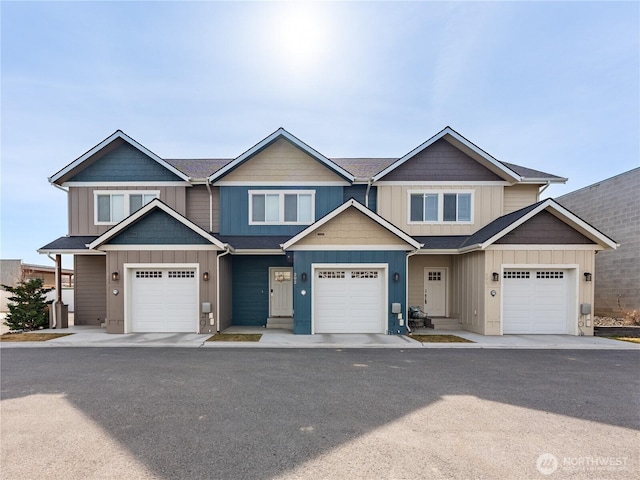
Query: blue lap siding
359	193
396	261
234	210
250	284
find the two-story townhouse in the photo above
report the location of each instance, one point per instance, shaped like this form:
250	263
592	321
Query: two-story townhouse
283	236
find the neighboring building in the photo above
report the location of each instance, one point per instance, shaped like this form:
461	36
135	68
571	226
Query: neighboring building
613	206
14	271
282	235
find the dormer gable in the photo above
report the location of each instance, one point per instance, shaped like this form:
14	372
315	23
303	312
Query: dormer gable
448	156
278	158
118	158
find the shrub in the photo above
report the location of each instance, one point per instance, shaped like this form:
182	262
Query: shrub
28	305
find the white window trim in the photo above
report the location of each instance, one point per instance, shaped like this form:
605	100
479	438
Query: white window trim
440	194
126	194
281	194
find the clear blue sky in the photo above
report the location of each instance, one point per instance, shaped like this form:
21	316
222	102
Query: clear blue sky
550	86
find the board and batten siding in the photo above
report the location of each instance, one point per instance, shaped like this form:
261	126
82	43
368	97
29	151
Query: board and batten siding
519	196
206	260
393	205
226	292
197	206
467	292
89	289
81	206
282	161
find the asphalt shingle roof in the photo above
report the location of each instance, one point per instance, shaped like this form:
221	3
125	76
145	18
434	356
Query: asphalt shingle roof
70	243
530	172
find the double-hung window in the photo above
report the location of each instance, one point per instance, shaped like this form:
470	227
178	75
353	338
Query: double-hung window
281	207
440	207
111	207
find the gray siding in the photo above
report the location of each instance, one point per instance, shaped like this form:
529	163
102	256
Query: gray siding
441	161
544	229
124	164
226	292
613	207
158	228
198	206
81	208
90	289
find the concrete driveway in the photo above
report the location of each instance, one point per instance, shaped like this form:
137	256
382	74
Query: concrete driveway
167	413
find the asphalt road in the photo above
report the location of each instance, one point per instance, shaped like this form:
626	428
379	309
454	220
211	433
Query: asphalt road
326	414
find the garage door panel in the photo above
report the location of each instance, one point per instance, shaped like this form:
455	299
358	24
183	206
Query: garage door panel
348	301
164	300
535	301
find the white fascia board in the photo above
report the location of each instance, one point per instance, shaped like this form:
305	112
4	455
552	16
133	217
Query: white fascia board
564	215
348	248
117	134
156	203
544	181
154	247
281	133
452	183
280	183
127	184
253	251
69	252
438	251
458	141
352	203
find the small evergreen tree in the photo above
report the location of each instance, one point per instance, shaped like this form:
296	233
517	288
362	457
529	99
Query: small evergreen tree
28	305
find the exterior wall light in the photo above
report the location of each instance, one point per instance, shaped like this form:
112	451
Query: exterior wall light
115	276
396	276
205	276
303	276
587	276
496	276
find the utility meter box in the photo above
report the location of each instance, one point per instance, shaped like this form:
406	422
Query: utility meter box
396	308
206	307
585	309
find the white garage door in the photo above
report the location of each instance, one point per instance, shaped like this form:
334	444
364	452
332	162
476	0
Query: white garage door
349	300
164	300
535	301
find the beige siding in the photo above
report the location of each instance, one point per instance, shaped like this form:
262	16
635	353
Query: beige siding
467	293
198	206
206	259
351	227
417	264
81	206
89	292
281	161
226	278
519	196
495	259
393	205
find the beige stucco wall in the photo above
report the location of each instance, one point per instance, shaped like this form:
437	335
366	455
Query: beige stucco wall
351	227
393	205
205	259
81	206
417	264
281	161
519	196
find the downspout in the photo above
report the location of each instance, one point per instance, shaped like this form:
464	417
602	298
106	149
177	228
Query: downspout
210	206
366	195
227	251
543	189
406	288
53	305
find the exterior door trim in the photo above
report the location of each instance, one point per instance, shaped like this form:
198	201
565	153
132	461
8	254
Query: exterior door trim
271	292
445	273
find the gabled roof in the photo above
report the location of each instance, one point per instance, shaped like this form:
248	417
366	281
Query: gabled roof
278	134
458	141
497	229
351	203
153	205
117	135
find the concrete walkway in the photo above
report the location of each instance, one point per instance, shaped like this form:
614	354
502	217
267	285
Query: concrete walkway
87	336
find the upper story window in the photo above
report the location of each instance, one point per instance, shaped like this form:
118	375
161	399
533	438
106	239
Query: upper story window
281	207
440	207
111	207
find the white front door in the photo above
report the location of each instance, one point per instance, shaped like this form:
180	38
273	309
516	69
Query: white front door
435	292
281	292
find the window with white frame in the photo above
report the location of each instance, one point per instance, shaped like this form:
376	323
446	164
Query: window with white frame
281	207
112	207
440	207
